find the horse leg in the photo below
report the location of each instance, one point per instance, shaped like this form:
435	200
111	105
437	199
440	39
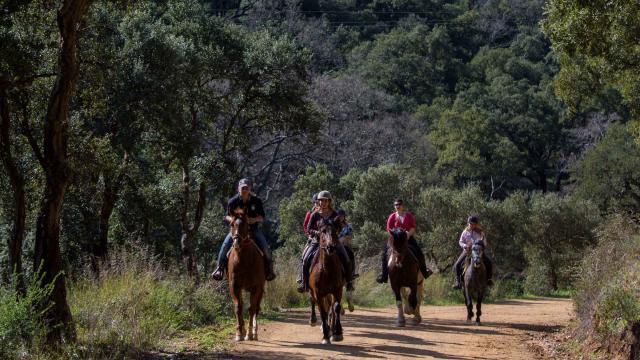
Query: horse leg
237	302
324	315
469	302
313	320
478	307
349	301
254	310
413	302
400	320
337	326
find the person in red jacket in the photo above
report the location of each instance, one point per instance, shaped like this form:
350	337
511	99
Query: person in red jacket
404	220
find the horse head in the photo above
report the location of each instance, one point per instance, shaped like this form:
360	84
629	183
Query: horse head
328	236
477	251
239	229
399	240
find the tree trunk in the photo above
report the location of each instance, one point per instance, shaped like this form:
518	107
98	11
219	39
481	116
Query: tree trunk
16	237
47	257
189	231
100	249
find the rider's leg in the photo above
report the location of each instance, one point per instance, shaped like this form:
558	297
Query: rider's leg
352	258
488	265
348	266
261	240
222	258
457	269
384	275
306	263
420	255
305	254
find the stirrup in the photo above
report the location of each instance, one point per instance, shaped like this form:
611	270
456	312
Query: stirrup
301	288
382	279
218	274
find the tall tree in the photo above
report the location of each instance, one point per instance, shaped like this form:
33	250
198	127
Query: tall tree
58	172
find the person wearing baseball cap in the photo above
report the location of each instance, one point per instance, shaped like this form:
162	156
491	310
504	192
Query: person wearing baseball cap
252	206
472	234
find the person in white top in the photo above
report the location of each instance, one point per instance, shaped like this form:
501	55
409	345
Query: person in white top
472	234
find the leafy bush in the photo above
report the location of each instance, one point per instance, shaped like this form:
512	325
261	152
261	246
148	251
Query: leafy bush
22	331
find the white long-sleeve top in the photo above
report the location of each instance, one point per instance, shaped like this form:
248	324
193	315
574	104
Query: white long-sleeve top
468	238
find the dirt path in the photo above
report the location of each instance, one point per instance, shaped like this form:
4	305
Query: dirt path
507	329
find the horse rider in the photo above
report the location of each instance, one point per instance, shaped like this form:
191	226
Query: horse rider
252	206
472	234
345	237
324	213
404	220
307	247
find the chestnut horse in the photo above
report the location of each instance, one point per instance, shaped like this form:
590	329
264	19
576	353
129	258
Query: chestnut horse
326	280
245	272
405	277
475	281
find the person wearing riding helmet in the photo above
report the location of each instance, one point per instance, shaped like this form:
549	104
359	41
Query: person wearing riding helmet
307	247
345	236
252	206
324	213
404	220
472	234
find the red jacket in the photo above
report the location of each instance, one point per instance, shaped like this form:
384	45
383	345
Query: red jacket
305	223
408	223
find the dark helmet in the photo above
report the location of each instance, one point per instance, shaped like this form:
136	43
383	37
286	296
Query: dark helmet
472	219
314	198
341	212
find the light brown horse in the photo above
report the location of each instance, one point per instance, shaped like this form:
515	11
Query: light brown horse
326	281
405	277
246	272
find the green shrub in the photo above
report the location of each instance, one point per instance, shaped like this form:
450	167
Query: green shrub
22	331
135	304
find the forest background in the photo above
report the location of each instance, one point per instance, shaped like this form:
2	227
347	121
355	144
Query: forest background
126	124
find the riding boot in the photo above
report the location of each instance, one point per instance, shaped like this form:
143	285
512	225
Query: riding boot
458	272
421	259
384	276
352	258
306	263
488	265
347	265
268	264
218	273
301	279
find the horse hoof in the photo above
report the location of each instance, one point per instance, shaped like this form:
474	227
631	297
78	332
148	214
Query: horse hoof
326	342
337	338
478	323
313	323
239	338
400	323
417	320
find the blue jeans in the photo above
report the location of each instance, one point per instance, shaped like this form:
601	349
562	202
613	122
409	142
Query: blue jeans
259	237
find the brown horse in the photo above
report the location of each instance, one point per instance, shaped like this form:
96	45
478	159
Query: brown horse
245	272
406	279
326	280
475	281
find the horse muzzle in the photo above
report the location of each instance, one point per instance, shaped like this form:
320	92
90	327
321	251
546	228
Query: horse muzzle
236	243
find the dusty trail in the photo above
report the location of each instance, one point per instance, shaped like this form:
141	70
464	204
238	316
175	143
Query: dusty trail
506	331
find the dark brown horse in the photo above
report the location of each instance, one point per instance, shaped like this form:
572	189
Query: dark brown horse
406	279
246	272
475	281
326	280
